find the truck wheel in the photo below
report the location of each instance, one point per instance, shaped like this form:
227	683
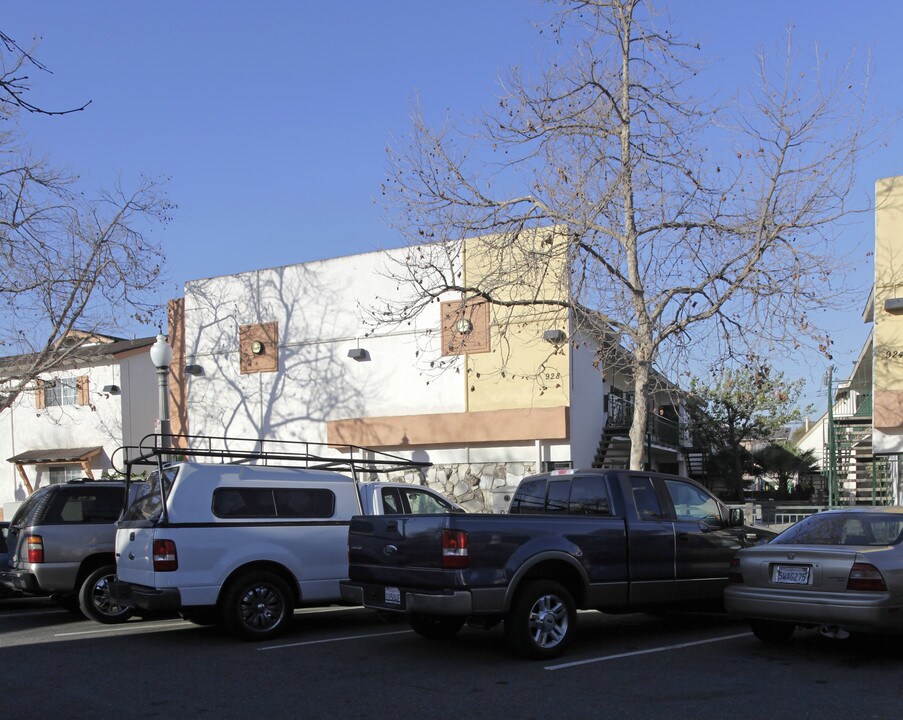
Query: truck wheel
436	627
542	620
773	632
95	600
257	606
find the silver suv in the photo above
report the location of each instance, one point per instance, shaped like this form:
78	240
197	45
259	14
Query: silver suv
61	544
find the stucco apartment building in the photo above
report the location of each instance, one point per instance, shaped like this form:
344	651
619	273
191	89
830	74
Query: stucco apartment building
285	353
70	423
865	426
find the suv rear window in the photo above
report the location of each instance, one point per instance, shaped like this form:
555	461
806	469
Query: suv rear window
20	519
273	503
86	505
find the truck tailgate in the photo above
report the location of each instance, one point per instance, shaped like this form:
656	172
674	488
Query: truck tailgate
404	548
135	555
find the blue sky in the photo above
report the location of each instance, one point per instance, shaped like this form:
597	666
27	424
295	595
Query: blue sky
271	118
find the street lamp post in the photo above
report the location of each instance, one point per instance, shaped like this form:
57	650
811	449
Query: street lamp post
161	357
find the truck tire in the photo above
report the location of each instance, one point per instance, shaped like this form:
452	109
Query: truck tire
95	600
773	632
436	627
256	606
542	620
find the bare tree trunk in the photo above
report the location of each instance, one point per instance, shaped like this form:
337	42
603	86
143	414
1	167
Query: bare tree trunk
638	426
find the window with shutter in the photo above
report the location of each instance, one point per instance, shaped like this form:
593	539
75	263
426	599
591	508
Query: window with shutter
65	391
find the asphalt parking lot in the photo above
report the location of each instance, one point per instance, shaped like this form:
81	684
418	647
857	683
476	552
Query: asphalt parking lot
346	662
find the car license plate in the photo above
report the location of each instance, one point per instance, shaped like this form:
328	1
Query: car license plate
393	596
791	574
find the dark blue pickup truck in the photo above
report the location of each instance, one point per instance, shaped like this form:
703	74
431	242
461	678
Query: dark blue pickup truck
609	540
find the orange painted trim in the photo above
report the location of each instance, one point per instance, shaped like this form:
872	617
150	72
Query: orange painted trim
887	408
178	401
490	426
24	477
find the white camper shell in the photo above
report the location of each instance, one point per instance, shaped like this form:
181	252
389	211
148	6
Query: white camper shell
243	541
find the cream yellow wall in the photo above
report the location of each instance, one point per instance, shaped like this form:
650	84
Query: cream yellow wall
522	370
888	331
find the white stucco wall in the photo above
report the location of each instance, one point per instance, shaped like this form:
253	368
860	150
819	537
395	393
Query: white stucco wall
317	308
887	443
138	380
814	440
101	423
587	416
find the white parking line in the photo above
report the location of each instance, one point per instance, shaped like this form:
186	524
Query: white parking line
125	628
316	610
634	653
331	640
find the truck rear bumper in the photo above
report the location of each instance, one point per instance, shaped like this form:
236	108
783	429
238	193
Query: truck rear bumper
146	598
411	601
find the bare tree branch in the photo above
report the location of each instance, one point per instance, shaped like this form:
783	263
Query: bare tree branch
68	261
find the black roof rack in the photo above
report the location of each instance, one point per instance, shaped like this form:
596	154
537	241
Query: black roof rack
84	480
157	449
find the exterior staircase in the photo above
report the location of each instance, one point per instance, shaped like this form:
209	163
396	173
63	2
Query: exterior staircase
613	450
862	479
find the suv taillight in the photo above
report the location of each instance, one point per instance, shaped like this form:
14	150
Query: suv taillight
455	550
35	545
734	575
165	558
864	576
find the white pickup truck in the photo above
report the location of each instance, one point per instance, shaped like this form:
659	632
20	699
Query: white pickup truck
242	544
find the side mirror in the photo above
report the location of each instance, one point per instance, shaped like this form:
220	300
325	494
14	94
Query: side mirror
736	517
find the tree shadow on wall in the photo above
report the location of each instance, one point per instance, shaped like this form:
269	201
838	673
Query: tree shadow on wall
315	380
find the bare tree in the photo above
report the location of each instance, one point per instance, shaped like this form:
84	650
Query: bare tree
14	81
67	261
695	230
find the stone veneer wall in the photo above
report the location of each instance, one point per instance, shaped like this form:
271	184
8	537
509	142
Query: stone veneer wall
479	488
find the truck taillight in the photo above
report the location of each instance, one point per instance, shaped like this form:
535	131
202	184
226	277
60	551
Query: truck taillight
734	575
35	545
864	576
455	550
165	558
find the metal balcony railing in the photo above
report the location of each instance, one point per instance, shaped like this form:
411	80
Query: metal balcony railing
661	429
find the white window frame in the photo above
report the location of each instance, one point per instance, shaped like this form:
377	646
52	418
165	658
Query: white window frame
59	474
63	392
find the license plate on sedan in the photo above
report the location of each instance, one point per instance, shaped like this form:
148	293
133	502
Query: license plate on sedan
791	574
393	596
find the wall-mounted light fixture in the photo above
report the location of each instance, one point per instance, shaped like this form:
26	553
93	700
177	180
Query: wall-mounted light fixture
893	305
194	370
359	354
555	336
111	389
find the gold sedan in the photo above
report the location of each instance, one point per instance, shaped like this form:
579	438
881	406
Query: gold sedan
840	571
